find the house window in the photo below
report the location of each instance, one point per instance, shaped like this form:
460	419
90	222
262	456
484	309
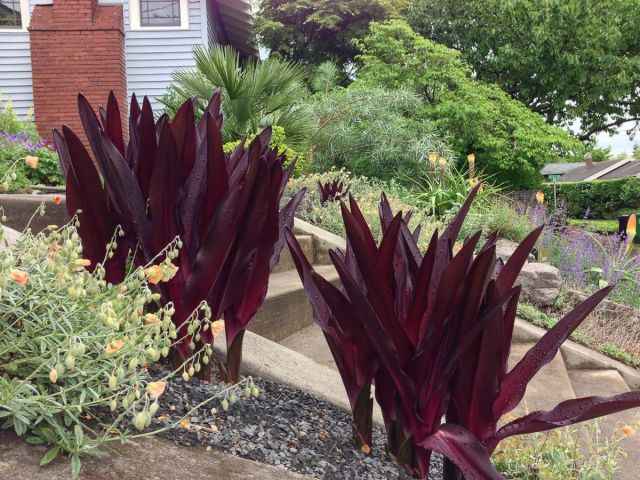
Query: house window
10	14
159	13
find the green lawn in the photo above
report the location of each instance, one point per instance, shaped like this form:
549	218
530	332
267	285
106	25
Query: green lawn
595	225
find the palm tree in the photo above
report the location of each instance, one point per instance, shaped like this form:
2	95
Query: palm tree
254	93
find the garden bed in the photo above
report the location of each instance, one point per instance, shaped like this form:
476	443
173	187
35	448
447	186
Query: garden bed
283	426
612	329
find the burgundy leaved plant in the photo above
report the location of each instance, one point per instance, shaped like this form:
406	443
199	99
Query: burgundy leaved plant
171	180
437	335
333	191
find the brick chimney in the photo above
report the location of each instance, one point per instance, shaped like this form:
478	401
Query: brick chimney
588	160
76	46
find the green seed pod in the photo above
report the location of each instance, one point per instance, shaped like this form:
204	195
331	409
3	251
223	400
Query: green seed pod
140	421
173	334
113	405
125	403
138	394
185	376
120	372
192	371
150	353
164	352
133	364
205	360
70	361
255	392
192	346
225	405
197	367
233	398
113	382
198	337
153	408
247	392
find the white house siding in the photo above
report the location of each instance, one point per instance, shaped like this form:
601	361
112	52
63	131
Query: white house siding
15	68
153	55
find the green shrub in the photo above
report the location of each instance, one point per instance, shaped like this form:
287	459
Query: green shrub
372	131
19	139
569	453
497	213
365	190
279	140
510	141
605	199
74	347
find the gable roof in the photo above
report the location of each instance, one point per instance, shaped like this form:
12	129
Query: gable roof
234	25
560	168
626	167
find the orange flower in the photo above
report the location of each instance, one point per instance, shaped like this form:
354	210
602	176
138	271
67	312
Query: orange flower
628	431
19	276
186	424
217	327
31	161
151	319
83	262
57	199
114	346
154	274
540	198
156	389
471	158
365	448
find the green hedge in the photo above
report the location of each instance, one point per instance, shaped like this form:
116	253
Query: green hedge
605	199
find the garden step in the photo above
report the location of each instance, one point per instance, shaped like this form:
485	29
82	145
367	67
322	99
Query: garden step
607	383
549	387
310	342
286	309
143	459
286	261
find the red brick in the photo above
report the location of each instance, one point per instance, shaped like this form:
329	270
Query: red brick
76	46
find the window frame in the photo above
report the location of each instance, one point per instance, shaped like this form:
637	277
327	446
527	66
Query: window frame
136	24
24	19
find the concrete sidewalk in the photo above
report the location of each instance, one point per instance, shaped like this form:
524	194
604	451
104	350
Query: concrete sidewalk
147	459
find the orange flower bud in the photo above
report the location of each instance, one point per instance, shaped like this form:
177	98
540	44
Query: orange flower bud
19	276
57	199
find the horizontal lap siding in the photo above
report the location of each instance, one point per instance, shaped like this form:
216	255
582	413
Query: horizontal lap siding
153	55
15	70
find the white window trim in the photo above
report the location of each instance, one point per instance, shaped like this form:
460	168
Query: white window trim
24	13
134	17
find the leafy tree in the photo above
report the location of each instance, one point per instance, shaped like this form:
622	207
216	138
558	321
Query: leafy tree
510	142
565	59
254	94
636	151
315	31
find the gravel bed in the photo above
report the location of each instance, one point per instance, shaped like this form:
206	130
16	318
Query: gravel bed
283	426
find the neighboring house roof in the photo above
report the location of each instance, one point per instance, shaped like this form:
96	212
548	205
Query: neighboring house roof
626	167
235	25
560	168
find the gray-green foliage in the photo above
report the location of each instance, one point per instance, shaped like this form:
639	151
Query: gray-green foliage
255	93
371	131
